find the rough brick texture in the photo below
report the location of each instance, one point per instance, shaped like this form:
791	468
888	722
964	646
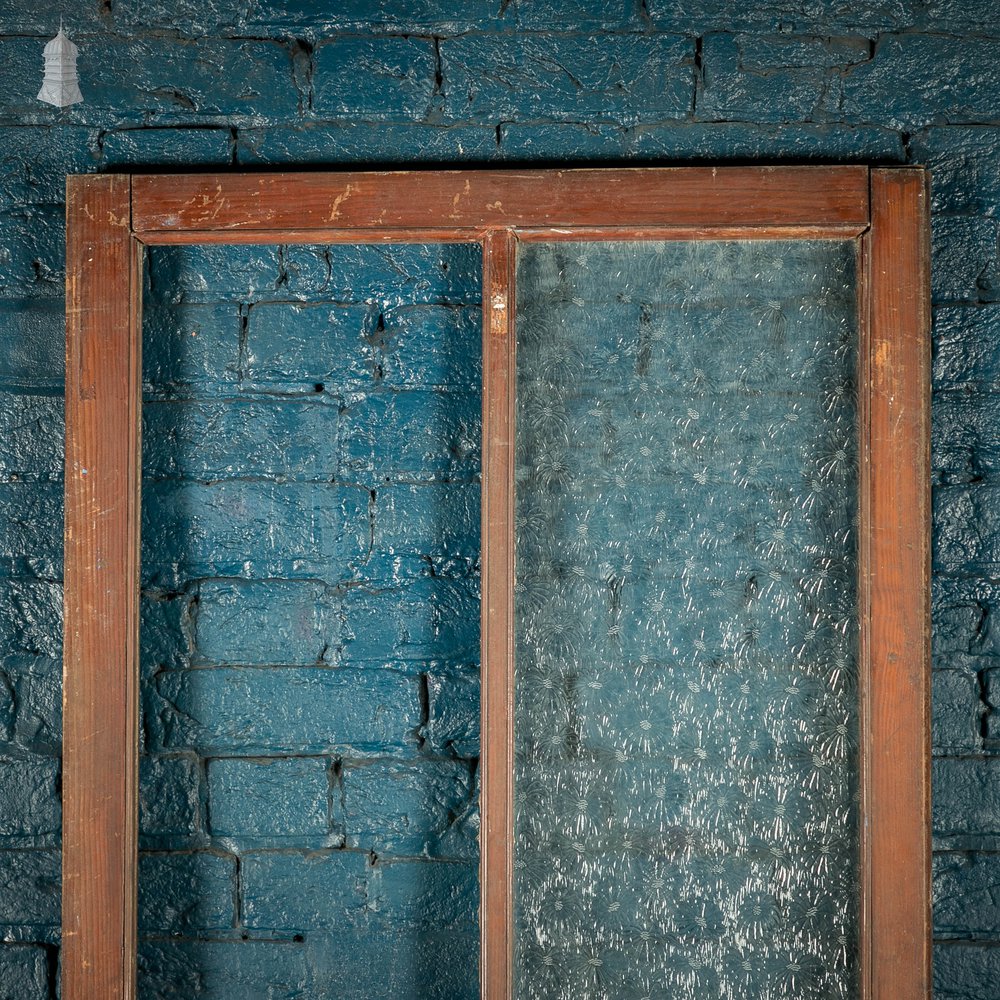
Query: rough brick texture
310	681
310	617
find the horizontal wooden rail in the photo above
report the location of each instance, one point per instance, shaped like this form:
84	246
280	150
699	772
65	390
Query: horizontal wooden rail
697	197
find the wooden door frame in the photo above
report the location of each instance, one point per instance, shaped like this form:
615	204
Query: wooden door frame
110	217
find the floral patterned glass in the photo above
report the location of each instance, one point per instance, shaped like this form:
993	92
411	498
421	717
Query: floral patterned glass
686	766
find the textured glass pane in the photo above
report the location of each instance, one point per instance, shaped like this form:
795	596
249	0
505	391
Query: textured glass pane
686	770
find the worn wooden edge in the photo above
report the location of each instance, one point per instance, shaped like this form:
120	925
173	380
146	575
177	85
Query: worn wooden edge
133	611
897	944
241	237
100	702
864	607
499	375
635	196
693	233
884	251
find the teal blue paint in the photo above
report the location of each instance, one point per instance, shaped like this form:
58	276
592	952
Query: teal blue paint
311	454
427	82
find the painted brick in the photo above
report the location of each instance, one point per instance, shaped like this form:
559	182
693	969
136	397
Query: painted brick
186	893
453	713
270	802
991	721
337	345
389	275
34	162
422	895
15	18
256	623
953	15
32	252
948	81
413	434
32	613
241	438
169	801
341	345
717	141
189	347
430	345
23	59
31	543
576	15
29	799
32	342
208	273
617	78
581	140
964	444
780	15
31	436
309	345
248	528
127	81
37	689
966	803
957	712
406	808
432	525
340	964
965	971
232	18
24	973
165	631
402	143
965	173
251	970
966	895
188	17
273	711
966	618
374	78
294	892
775	79
425	619
154	147
915	78
967	348
963	257
350	964
701	142
29	890
7	708
966	537
378	15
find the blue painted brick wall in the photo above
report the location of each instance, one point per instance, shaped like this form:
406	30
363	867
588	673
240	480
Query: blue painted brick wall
261	812
311	563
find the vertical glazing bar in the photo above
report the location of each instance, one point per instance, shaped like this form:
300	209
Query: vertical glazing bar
497	612
100	702
898	585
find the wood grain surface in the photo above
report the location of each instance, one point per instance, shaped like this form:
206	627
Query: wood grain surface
100	696
481	199
108	216
496	868
895	560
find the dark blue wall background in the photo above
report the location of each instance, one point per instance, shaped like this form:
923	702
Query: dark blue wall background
222	84
310	628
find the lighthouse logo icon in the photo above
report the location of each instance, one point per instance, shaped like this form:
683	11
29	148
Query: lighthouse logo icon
60	85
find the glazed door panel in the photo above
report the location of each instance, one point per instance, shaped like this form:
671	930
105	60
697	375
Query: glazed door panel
705	711
686	774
